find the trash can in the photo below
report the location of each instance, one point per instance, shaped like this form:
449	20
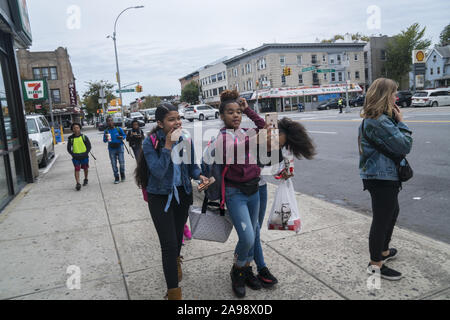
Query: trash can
58	135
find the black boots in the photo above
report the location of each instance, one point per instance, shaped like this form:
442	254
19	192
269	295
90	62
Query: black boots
238	281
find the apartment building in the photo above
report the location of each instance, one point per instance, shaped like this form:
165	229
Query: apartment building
312	65
213	80
438	67
194	76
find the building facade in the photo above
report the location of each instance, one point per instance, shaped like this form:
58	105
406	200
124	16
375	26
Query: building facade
213	80
438	67
15	163
194	76
54	66
375	58
311	65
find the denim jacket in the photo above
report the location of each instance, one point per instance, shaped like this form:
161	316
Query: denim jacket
160	164
389	134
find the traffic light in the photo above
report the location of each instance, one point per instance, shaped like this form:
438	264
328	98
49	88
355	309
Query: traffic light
285	71
288	71
138	88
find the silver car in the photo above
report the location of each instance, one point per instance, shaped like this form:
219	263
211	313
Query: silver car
200	112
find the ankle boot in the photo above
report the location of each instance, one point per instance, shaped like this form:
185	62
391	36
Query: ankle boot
238	281
174	294
180	272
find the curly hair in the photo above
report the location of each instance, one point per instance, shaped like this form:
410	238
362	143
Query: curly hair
297	139
227	97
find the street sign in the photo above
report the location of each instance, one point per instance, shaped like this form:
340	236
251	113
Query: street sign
418	56
125	90
325	70
35	90
100	101
308	69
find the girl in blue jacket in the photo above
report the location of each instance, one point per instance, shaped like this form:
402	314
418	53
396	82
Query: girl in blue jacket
166	175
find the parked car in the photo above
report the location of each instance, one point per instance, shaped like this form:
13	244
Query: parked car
40	133
129	120
149	114
137	115
181	112
200	112
331	104
431	98
358	101
404	99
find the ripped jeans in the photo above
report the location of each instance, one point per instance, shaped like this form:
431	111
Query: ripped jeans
244	211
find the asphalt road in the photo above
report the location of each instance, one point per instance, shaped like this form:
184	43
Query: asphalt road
334	176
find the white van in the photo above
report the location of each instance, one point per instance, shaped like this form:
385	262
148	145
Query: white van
431	98
40	132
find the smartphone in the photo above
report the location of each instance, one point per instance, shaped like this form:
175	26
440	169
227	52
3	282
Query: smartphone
272	120
176	135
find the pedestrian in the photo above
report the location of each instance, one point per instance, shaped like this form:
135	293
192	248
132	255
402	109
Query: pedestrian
340	103
169	189
294	138
383	125
241	186
79	147
115	136
135	137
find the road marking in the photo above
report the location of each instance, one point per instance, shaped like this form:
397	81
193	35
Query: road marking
49	166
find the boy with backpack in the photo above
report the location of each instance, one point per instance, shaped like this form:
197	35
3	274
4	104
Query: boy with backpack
79	147
115	137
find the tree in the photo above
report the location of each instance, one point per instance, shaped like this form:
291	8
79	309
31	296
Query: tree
445	36
399	52
151	102
190	93
91	96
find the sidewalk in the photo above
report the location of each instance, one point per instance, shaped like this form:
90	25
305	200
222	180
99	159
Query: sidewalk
106	231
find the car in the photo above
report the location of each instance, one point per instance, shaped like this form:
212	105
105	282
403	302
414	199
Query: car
404	99
331	104
181	112
431	98
117	118
149	114
200	112
137	115
128	122
358	101
40	133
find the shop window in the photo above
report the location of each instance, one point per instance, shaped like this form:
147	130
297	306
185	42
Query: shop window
56	95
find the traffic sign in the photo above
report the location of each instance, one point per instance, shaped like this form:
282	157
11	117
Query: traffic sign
325	70
100	101
125	90
308	69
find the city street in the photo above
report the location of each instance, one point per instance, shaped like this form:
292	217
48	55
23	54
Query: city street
333	175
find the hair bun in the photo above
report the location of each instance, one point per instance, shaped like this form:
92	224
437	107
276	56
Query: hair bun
228	95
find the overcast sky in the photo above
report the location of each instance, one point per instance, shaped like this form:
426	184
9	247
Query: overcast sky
168	39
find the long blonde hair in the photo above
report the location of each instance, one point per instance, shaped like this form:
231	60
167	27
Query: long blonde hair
379	98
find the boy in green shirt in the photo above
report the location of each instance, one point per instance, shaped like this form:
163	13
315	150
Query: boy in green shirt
79	147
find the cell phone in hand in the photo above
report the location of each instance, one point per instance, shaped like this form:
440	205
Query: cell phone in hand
272	120
202	186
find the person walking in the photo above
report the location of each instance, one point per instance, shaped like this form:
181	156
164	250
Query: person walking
340	104
135	137
169	189
79	147
383	129
115	138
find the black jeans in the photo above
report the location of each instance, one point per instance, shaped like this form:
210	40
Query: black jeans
170	226
385	210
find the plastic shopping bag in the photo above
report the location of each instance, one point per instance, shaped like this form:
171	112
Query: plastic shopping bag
284	214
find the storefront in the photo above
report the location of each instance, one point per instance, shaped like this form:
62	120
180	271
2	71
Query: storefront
288	99
15	164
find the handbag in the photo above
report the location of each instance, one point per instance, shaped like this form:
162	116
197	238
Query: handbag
405	172
248	188
210	222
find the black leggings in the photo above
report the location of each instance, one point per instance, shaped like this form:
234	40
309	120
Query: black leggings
385	210
170	226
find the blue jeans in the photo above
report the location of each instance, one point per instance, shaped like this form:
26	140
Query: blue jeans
243	211
259	257
114	155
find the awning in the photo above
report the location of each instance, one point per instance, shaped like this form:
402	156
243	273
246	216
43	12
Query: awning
247	95
305	91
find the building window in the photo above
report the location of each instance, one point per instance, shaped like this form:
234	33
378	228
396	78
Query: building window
282	61
235	72
221	89
365	56
56	95
324	58
356	57
53	73
383	55
431	70
313	59
219	77
438	70
300	78
340	76
356	74
248	68
332	60
299	60
36	73
339	59
283	80
215	92
261	63
213	78
333	76
224	75
348	75
325	76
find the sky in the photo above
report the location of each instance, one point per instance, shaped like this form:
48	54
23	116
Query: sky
168	39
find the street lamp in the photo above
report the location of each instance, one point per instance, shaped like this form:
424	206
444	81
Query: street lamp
117	60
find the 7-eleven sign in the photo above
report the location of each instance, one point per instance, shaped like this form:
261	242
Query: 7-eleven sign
34	89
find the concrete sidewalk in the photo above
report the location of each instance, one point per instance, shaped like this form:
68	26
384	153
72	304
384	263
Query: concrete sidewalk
107	232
